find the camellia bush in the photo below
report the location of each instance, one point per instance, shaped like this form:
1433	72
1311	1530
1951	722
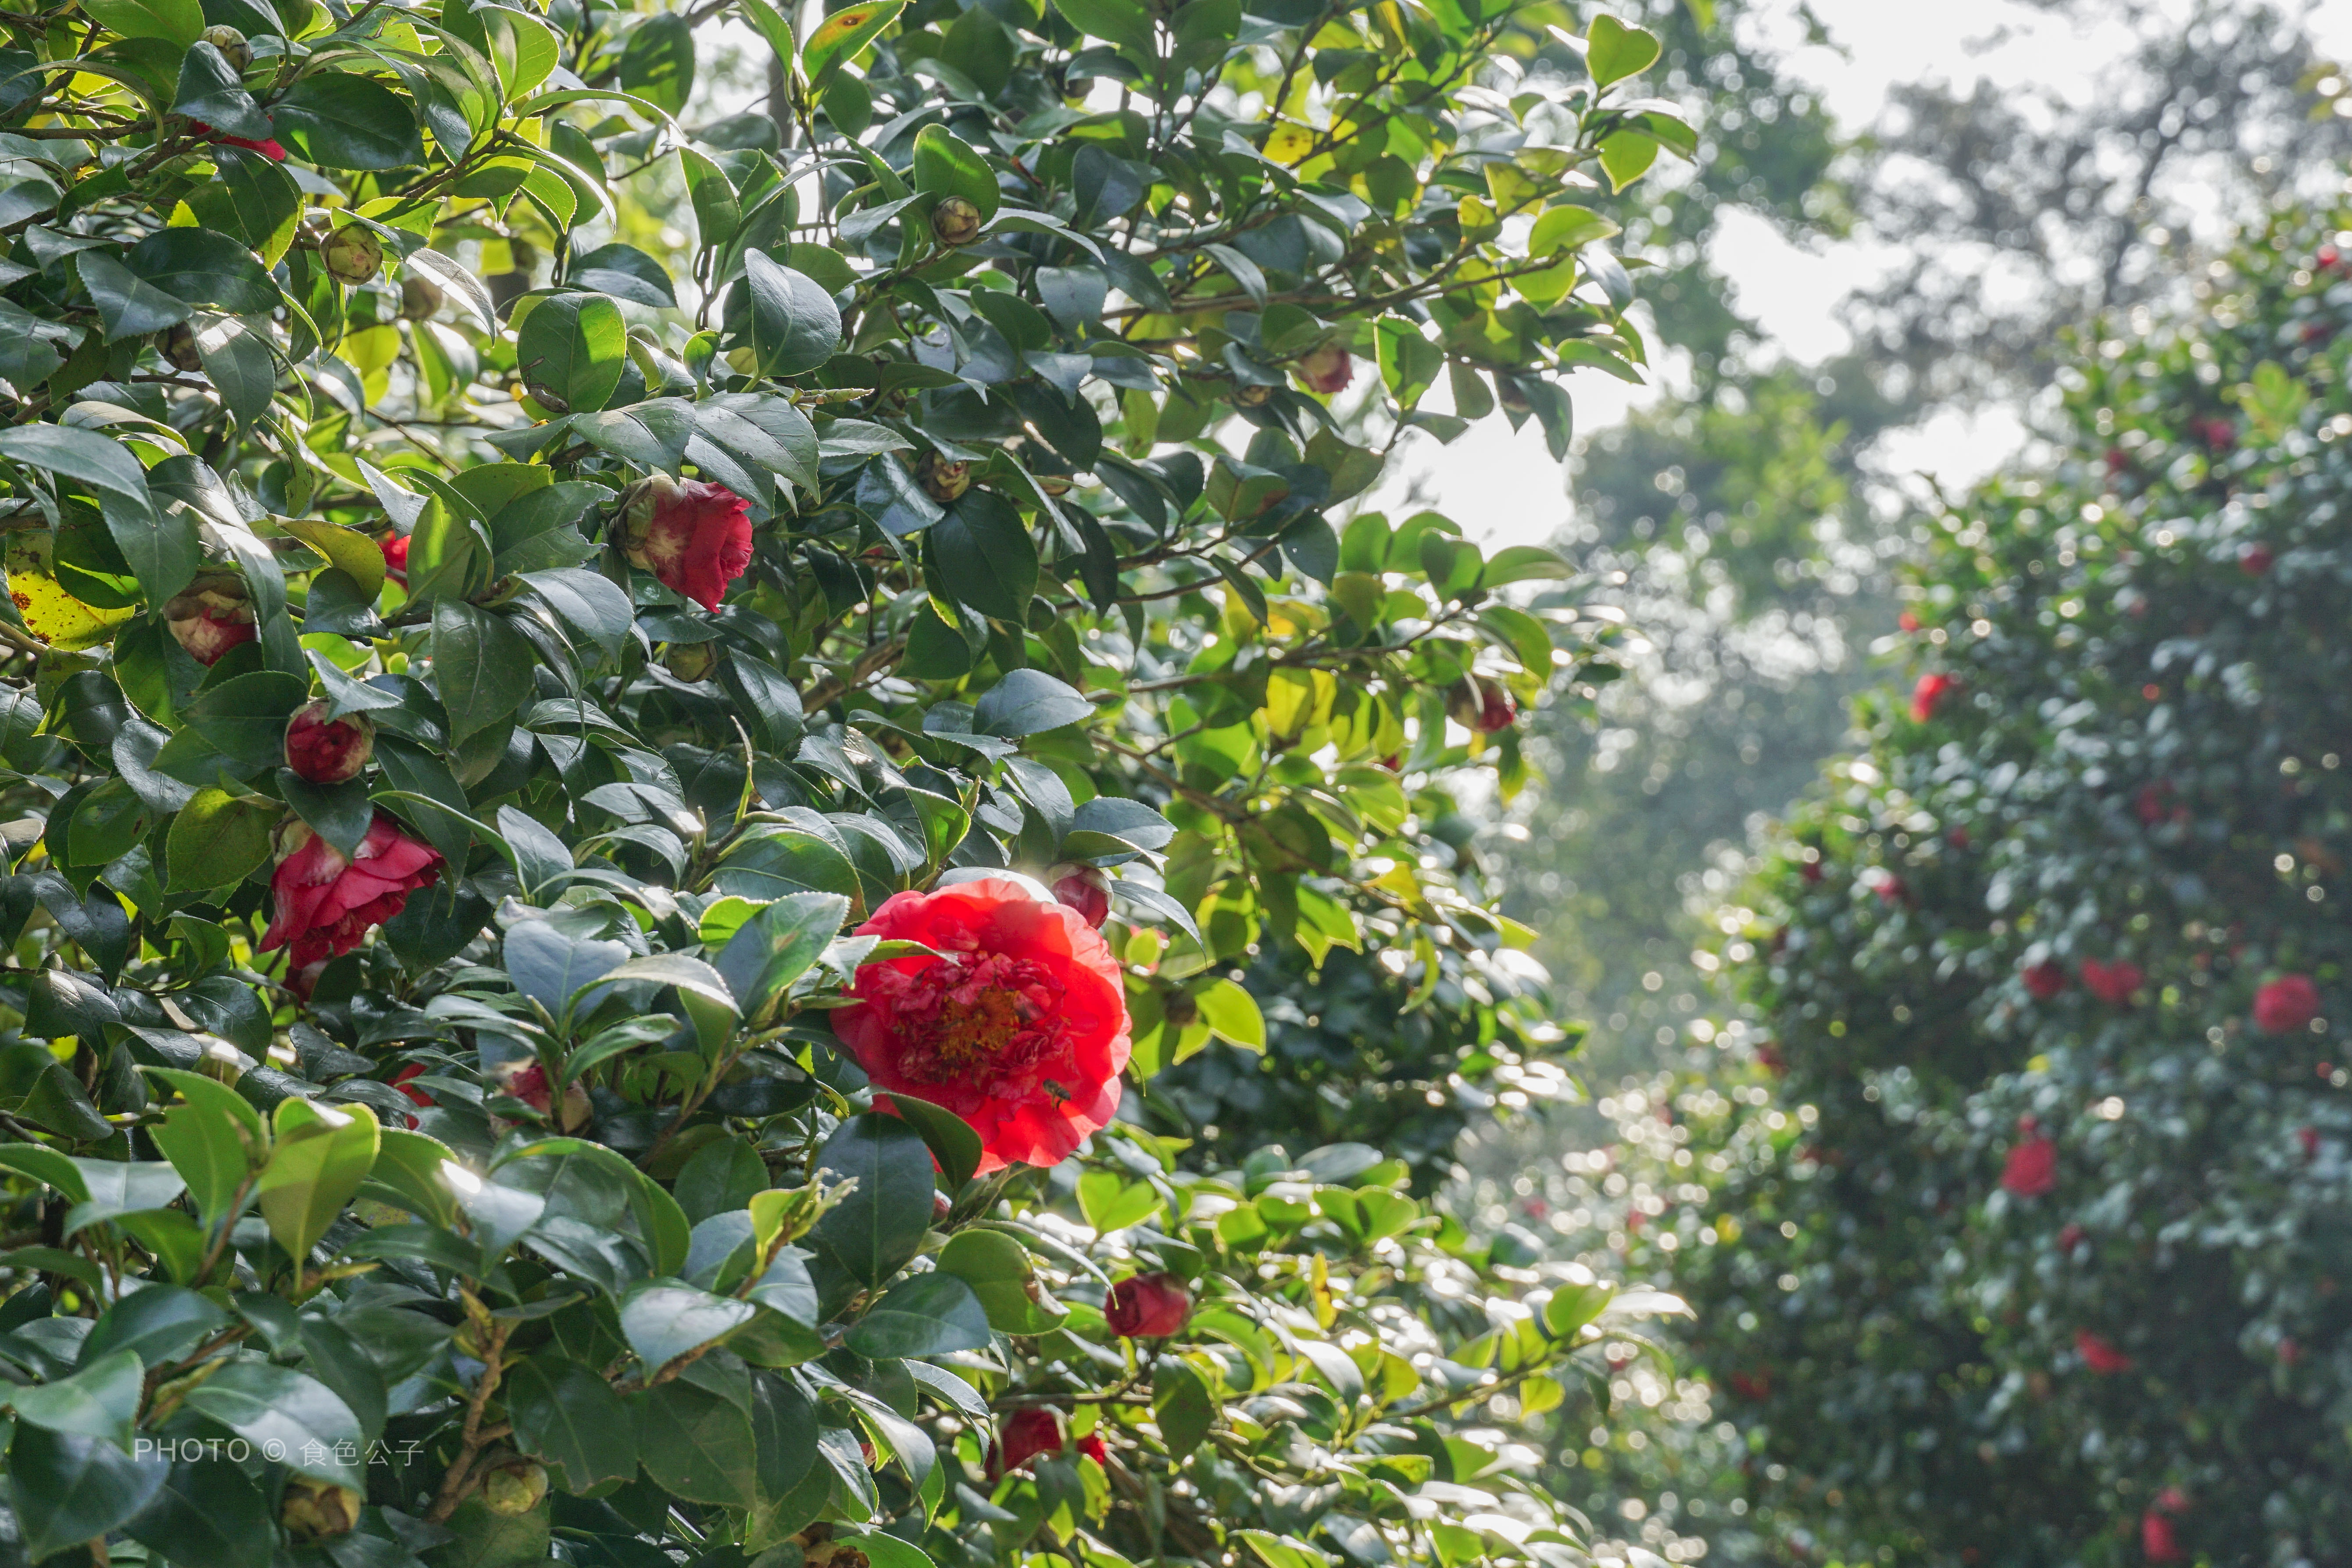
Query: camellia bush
2040	1185
623	744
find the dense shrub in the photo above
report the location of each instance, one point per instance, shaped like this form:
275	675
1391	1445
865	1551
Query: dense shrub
2039	1232
597	838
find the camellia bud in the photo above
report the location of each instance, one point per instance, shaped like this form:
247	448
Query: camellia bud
352	255
419	298
232	46
514	1488
690	660
329	751
210	616
1328	370
955	221
178	347
527	1080
1250	394
1084	889
1147	1307
315	1510
1480	705
943	478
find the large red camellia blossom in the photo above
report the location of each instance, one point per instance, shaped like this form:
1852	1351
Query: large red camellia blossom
1147	1307
695	537
2099	1355
1021	1029
2156	1533
2032	1168
1032	1430
2286	1005
2113	982
323	904
2045	980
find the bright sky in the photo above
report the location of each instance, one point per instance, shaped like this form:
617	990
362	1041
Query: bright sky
1504	487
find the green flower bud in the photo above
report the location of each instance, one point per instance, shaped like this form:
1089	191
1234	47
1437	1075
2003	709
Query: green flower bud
955	221
352	255
232	46
315	1510
178	347
514	1488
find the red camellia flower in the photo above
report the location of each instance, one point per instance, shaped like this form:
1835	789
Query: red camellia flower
2286	1005
395	557
1931	690
1328	370
1755	1386
2099	1355
2070	1237
324	904
2155	802
1084	889
1908	620
1032	1430
210	616
2112	982
268	149
2309	1138
2156	1534
695	537
400	1082
1094	1448
2032	1169
1021	1029
2045	979
1147	1307
327	751
2255	559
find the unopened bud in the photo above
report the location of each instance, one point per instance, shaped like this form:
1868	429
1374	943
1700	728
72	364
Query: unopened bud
232	46
1250	394
318	1511
329	751
419	298
210	616
943	478
515	1488
690	660
352	255
955	221
178	347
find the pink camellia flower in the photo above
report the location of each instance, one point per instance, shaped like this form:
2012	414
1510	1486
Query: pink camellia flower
1929	694
2112	982
1021	1028
1147	1307
210	616
695	537
1328	369
1084	889
2286	1005
2045	979
2032	1169
1032	1430
327	751
323	904
2099	1355
2156	1534
268	149
395	557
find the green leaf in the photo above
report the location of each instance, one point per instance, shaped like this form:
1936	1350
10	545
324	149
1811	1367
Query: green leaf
1029	702
218	840
99	1400
305	1420
571	349
999	1270
716	212
1232	1015
1123	22
481	665
839	37
1613	51
76	453
212	1147
698	1446
70	1490
982	555
238	361
127	307
945	165
243	718
180	22
658	62
1110	1201
1409	363
952	1140
1566	227
777	946
664	1320
795	326
211	90
568	1417
1181	1406
880	1224
250	199
161	1323
207	1515
341	121
322	1155
931	1314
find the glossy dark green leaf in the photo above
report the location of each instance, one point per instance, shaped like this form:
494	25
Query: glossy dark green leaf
698	1445
1028	702
338	120
70	1489
568	1417
207	1514
211	90
982	555
481	664
794	326
931	1314
877	1228
658	62
777	946
203	268
571	349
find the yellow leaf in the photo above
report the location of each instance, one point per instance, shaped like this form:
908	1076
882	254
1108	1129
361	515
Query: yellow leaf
49	612
1289	143
348	548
